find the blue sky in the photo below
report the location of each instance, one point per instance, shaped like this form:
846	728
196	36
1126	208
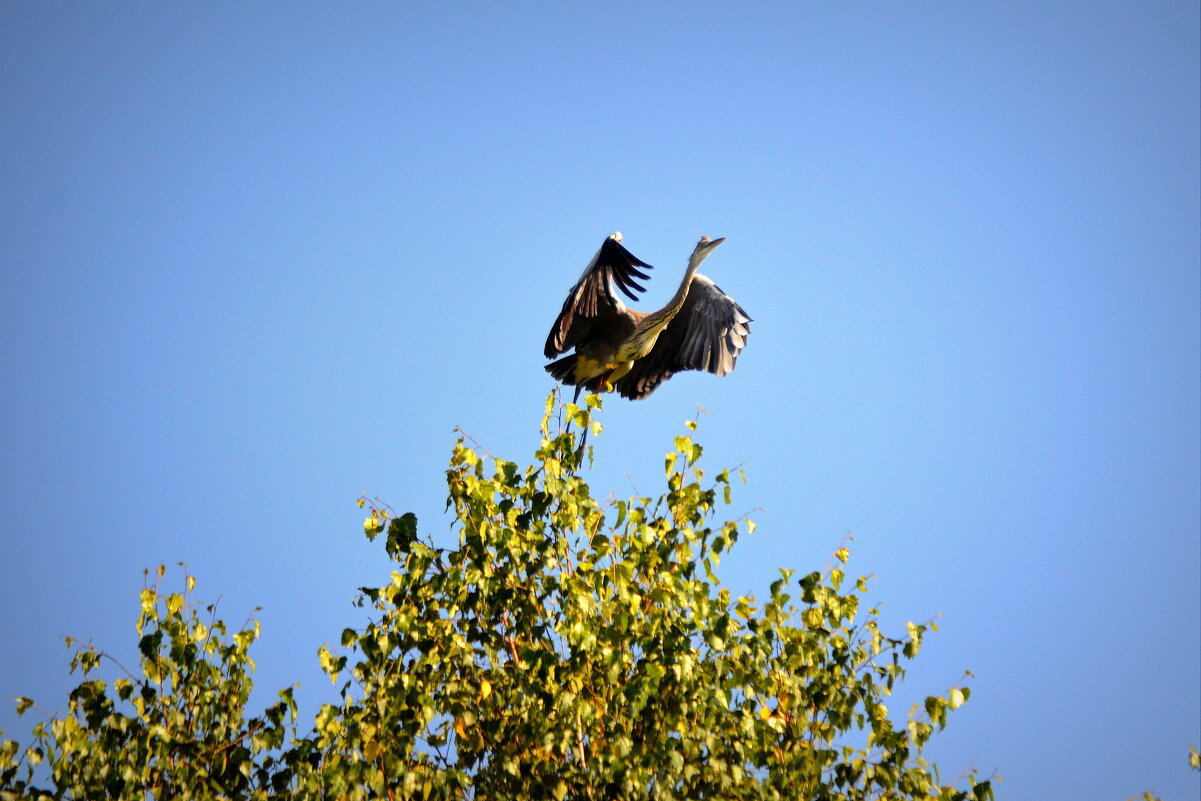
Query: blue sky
258	260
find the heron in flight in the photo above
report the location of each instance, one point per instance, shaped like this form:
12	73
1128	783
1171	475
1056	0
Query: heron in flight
633	352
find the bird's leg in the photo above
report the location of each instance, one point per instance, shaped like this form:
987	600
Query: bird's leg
617	373
574	399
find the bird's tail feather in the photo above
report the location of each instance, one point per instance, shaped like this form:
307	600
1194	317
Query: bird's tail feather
563	370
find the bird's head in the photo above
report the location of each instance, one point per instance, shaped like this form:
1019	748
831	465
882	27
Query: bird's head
706	245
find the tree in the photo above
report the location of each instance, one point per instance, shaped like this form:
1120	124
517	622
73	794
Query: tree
177	729
566	648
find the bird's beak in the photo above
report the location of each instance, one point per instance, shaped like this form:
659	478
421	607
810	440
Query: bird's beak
716	242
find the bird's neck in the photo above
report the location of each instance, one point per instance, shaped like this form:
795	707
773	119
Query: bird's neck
665	315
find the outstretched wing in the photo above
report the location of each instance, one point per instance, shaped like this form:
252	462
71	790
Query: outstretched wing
708	334
592	297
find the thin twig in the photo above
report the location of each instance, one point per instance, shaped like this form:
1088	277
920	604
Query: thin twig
475	442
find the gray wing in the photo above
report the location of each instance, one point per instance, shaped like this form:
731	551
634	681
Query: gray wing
592	297
708	334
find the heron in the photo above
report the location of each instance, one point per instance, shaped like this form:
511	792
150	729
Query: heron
633	352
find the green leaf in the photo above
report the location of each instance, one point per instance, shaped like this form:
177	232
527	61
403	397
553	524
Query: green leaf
402	533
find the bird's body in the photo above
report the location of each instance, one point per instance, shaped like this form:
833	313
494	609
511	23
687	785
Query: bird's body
632	352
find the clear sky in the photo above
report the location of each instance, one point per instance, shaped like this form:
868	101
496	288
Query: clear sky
258	259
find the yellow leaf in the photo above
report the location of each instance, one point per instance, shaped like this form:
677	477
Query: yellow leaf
460	729
485	689
764	712
843	554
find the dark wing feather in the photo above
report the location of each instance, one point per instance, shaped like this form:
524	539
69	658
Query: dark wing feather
593	297
708	334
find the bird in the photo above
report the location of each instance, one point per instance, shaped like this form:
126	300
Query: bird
633	352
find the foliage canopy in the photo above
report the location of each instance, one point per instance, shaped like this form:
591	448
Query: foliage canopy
566	648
